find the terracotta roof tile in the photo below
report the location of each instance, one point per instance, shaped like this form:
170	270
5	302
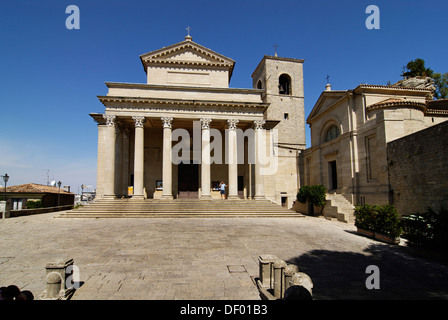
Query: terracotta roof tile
395	102
32	188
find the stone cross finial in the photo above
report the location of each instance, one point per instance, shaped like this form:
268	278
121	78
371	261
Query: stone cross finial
275	46
188	37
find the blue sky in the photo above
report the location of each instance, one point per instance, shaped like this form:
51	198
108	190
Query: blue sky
51	76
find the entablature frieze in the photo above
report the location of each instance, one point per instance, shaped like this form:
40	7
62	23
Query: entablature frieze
190	110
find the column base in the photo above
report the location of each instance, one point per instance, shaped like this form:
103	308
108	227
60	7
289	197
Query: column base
229	197
206	197
259	198
108	197
137	197
167	197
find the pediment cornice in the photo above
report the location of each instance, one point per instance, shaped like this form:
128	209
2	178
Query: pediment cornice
186	53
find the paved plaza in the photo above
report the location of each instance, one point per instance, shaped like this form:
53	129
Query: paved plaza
208	259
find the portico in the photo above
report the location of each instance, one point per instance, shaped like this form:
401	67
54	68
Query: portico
133	154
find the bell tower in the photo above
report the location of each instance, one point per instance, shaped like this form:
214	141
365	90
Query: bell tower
281	80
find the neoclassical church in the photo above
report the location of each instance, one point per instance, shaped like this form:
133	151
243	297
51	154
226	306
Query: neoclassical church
185	131
350	134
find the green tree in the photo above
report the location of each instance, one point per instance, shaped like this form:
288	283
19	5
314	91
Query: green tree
441	83
416	68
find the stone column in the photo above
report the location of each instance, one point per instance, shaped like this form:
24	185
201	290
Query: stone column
109	158
125	171
205	161
232	159
118	160
259	179
139	154
167	163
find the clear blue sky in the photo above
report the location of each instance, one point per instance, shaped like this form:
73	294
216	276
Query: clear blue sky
51	76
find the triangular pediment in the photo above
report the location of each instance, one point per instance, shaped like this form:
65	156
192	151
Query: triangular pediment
186	53
325	102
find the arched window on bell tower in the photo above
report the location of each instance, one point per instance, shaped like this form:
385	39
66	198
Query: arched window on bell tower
284	84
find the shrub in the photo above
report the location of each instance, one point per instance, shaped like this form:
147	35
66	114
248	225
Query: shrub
380	219
365	217
388	221
34	204
427	229
314	194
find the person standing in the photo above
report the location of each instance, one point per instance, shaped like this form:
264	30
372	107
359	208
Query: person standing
222	187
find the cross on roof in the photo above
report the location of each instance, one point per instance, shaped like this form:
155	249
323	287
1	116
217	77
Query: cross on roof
188	29
275	46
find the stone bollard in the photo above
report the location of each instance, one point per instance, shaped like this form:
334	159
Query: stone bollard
289	272
279	278
266	273
297	284
58	286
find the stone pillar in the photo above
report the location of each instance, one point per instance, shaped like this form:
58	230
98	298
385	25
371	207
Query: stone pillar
232	159
125	170
139	155
279	278
167	166
289	272
118	161
205	161
58	284
301	279
109	158
266	270
259	179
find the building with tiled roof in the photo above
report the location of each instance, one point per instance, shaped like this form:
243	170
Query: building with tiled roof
350	131
19	195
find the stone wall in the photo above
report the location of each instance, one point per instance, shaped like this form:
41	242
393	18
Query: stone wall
418	174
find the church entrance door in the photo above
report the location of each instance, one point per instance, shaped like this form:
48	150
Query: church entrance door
333	176
188	181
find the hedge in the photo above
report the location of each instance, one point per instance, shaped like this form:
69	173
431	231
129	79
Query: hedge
380	219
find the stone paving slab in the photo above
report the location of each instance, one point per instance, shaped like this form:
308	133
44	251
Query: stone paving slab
192	258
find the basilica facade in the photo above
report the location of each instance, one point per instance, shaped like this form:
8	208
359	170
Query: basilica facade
185	131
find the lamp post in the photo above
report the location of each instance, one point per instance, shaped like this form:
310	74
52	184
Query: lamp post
59	194
5	179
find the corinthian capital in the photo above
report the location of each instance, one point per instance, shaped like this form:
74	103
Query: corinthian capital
258	124
205	122
139	121
110	119
232	123
167	122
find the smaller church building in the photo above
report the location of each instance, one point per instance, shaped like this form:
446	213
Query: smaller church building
350	132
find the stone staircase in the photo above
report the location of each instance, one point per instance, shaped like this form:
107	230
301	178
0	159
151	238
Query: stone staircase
180	208
339	207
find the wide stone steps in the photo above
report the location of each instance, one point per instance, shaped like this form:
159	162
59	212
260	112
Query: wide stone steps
128	208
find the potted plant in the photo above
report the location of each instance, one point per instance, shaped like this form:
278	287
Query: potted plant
313	196
365	220
388	226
